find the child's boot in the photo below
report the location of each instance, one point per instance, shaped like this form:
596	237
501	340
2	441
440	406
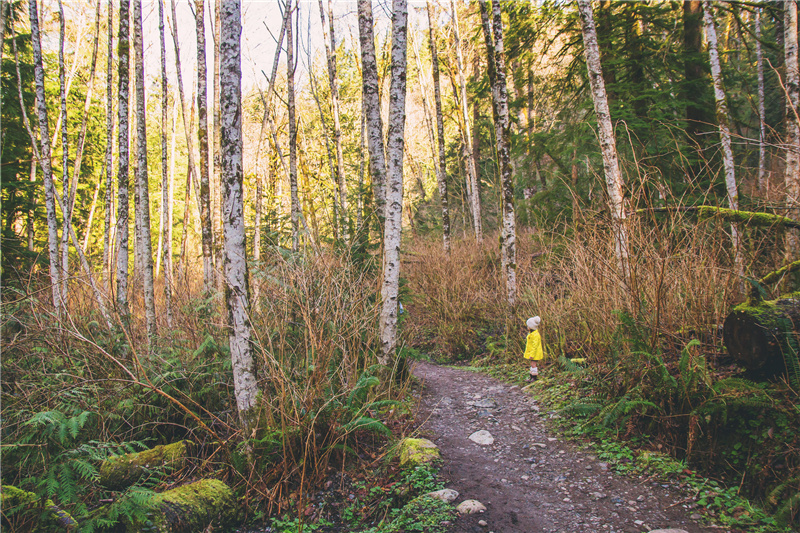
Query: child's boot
534	374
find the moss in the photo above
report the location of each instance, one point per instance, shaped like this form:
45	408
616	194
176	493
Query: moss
777	275
415	452
120	471
191	508
15	500
750	218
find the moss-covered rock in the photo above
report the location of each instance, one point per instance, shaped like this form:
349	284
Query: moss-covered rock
414	452
14	501
191	508
121	471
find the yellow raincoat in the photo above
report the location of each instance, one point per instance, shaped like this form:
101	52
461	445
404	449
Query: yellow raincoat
533	348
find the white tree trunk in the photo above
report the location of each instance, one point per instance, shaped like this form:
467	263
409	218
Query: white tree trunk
394	192
762	129
792	84
45	157
372	109
235	264
123	177
295	209
469	160
109	202
165	232
202	138
608	145
724	133
442	166
67	215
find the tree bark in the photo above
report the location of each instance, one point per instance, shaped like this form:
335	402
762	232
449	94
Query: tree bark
762	130
608	145
394	193
109	202
295	209
165	233
792	84
725	134
45	157
65	182
202	139
697	118
123	178
216	184
372	110
469	160
142	196
235	263
442	166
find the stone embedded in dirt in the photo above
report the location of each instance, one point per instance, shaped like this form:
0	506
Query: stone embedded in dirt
539	445
598	495
446	495
695	516
415	452
470	507
482	437
668	531
484	404
483	523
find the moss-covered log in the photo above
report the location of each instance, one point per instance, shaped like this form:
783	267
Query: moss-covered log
16	501
749	218
121	471
191	508
763	336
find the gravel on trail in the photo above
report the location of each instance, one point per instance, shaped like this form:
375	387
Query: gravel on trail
529	479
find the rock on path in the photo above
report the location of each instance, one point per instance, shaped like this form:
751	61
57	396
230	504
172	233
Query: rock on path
530	481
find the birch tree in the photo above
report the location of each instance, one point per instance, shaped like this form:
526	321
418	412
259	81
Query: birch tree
394	189
372	109
762	129
109	195
45	156
202	140
235	262
724	133
123	178
608	145
142	193
165	235
66	216
469	160
792	84
441	167
295	209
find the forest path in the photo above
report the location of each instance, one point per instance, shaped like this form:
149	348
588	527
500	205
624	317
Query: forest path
529	479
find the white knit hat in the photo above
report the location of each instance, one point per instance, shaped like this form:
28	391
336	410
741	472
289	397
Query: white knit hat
533	322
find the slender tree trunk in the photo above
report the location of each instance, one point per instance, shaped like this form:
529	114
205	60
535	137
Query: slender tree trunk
235	263
394	190
32	203
142	196
123	178
109	202
45	156
608	145
762	130
792	84
441	168
202	138
697	118
91	216
216	184
295	212
333	81
66	215
363	152
469	160
165	231
372	110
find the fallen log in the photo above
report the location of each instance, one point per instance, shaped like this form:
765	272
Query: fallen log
15	501
762	336
120	471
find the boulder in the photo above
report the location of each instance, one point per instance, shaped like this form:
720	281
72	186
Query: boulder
482	437
415	452
470	507
446	495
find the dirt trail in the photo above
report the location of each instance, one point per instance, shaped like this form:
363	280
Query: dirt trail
531	480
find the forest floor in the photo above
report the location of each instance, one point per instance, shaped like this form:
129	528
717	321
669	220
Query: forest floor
530	479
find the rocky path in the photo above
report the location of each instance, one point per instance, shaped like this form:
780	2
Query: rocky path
528	479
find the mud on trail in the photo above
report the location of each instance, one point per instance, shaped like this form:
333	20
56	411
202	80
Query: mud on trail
529	479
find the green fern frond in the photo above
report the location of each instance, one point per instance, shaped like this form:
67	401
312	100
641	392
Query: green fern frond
367	424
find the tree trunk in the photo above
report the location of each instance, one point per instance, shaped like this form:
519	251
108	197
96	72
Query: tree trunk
65	182
123	178
697	118
45	157
202	139
792	84
216	184
761	183
235	263
372	110
469	160
441	167
109	202
142	197
725	135
394	192
608	145
165	232
295	209
32	203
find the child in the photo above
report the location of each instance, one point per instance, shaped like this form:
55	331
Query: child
533	348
